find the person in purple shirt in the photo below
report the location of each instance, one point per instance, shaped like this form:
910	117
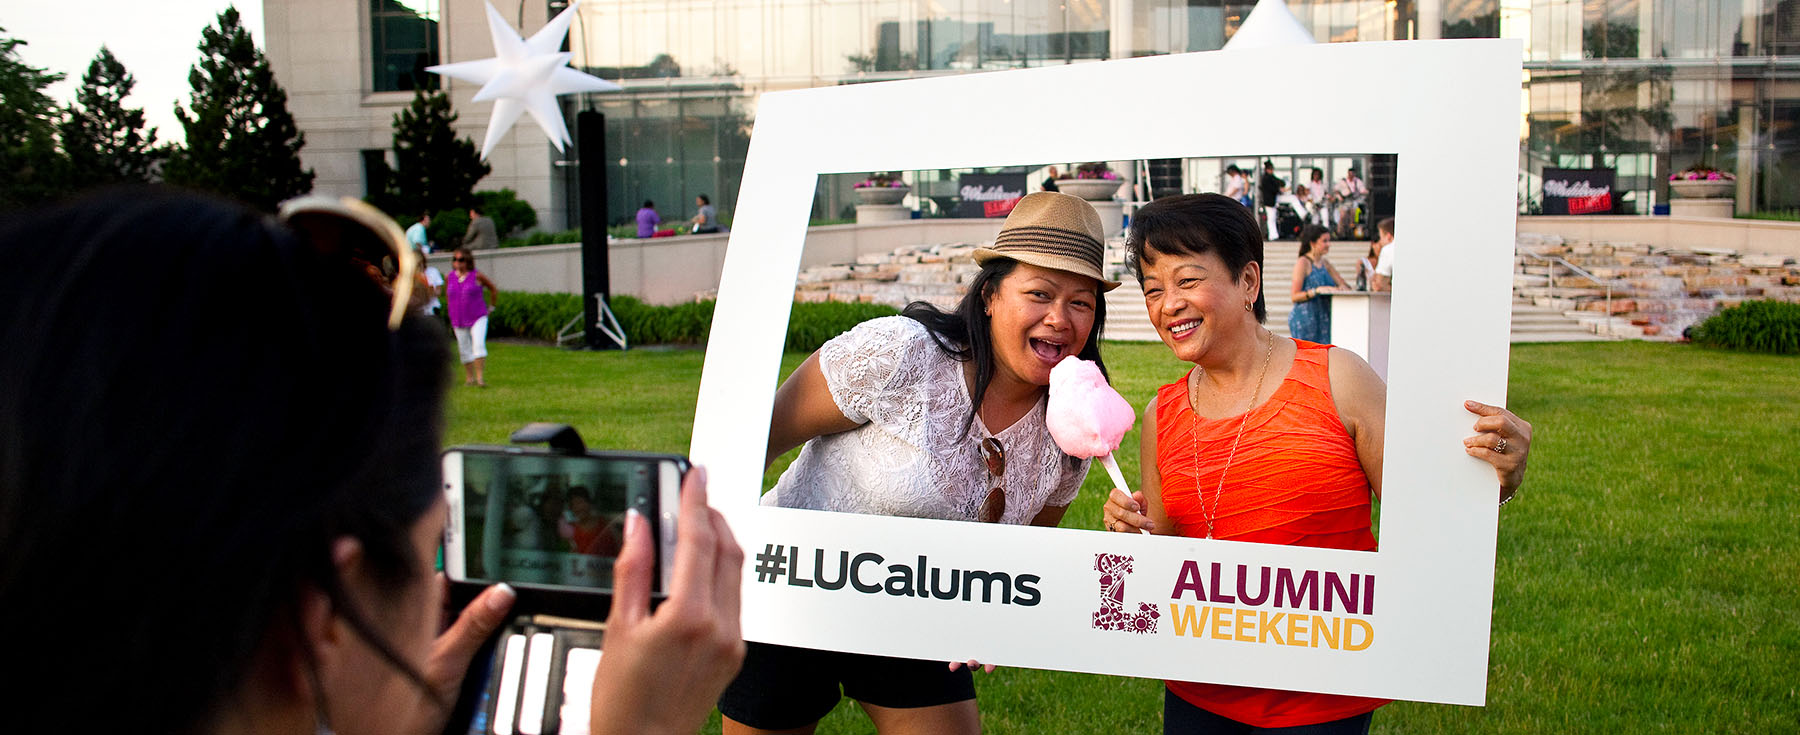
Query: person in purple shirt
648	219
468	293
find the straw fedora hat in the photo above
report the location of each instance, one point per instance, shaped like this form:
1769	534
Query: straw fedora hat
1053	230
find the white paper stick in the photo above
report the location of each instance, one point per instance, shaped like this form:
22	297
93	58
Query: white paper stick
1118	478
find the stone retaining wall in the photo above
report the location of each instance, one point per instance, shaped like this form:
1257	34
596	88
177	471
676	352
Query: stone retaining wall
1656	292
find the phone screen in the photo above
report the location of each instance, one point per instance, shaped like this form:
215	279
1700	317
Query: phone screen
549	519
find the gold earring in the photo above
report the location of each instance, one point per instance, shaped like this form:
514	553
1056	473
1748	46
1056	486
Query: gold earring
1247	306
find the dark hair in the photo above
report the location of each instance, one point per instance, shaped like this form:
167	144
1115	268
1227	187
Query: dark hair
1196	224
649	204
1233	169
173	474
463	251
1268	164
1309	235
579	491
964	334
703	199
1318	173
1386	225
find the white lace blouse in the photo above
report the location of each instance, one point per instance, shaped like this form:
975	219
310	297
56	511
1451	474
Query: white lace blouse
910	457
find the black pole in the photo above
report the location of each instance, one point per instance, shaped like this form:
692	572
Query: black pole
596	269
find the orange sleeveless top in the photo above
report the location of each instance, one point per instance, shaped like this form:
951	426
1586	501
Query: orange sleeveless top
1295	480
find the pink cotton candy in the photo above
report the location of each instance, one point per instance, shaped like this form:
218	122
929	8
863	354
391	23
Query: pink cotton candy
1087	418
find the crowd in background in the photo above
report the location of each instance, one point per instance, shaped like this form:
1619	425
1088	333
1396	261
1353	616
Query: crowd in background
1284	209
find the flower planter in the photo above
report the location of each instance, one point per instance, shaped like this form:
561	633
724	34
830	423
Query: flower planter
882	194
1093	190
1703	189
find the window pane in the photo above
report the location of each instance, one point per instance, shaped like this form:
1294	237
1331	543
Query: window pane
403	41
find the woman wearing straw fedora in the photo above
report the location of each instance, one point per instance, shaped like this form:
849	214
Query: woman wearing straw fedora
932	415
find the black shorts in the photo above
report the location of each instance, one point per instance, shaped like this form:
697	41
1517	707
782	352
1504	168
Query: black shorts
782	687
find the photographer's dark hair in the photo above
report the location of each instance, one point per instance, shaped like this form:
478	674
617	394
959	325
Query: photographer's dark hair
194	404
1196	224
964	334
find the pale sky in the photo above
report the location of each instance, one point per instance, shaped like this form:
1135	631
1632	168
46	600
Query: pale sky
156	40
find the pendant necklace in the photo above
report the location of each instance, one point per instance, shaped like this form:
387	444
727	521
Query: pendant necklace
1200	374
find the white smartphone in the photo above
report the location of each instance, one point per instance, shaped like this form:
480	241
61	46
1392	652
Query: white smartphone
552	524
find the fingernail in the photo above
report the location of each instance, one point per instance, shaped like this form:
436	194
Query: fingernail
501	599
633	520
1470	404
699	474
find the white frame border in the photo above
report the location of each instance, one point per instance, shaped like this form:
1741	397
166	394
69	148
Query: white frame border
1449	109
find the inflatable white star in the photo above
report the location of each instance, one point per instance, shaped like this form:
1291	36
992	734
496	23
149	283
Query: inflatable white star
525	76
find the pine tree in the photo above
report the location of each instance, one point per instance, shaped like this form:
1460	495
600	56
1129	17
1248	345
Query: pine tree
32	170
106	142
241	140
433	168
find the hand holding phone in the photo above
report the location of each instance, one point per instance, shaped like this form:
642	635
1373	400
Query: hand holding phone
663	671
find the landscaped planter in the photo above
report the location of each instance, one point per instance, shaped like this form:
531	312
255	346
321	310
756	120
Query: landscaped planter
882	194
1093	190
1703	188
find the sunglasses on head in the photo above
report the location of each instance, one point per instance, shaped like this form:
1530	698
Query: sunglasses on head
354	230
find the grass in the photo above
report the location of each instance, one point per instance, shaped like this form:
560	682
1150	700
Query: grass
1781	215
1646	574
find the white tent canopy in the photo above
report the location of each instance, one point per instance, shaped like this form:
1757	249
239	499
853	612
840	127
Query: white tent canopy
1270	24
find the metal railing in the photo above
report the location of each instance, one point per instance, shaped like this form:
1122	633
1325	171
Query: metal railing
1556	262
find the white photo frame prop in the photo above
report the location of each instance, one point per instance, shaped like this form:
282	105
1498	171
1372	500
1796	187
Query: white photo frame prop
1407	622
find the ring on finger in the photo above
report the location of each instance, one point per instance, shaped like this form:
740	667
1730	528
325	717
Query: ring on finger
1110	526
1500	446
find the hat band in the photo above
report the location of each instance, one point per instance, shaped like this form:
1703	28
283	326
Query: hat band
1050	241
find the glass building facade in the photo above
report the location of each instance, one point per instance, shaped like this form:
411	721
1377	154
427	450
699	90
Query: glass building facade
1651	87
1646	87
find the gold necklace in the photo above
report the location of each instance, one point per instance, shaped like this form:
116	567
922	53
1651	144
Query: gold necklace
1209	511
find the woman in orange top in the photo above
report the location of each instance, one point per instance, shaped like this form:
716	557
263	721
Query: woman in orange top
1268	439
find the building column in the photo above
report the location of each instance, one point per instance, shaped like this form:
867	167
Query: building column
1119	37
1749	122
1747	150
1431	19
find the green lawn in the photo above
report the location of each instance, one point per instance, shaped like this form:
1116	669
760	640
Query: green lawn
1647	574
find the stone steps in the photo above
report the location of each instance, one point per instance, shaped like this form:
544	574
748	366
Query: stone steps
1127	321
1655	294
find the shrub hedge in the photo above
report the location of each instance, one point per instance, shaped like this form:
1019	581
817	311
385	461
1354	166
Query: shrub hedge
686	324
810	325
1756	326
539	316
543	238
532	315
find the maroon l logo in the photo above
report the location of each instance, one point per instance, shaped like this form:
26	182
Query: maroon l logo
1113	569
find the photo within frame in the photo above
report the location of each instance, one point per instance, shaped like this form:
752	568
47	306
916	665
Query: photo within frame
1321	250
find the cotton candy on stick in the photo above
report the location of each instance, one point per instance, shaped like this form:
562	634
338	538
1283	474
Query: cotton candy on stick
1087	418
